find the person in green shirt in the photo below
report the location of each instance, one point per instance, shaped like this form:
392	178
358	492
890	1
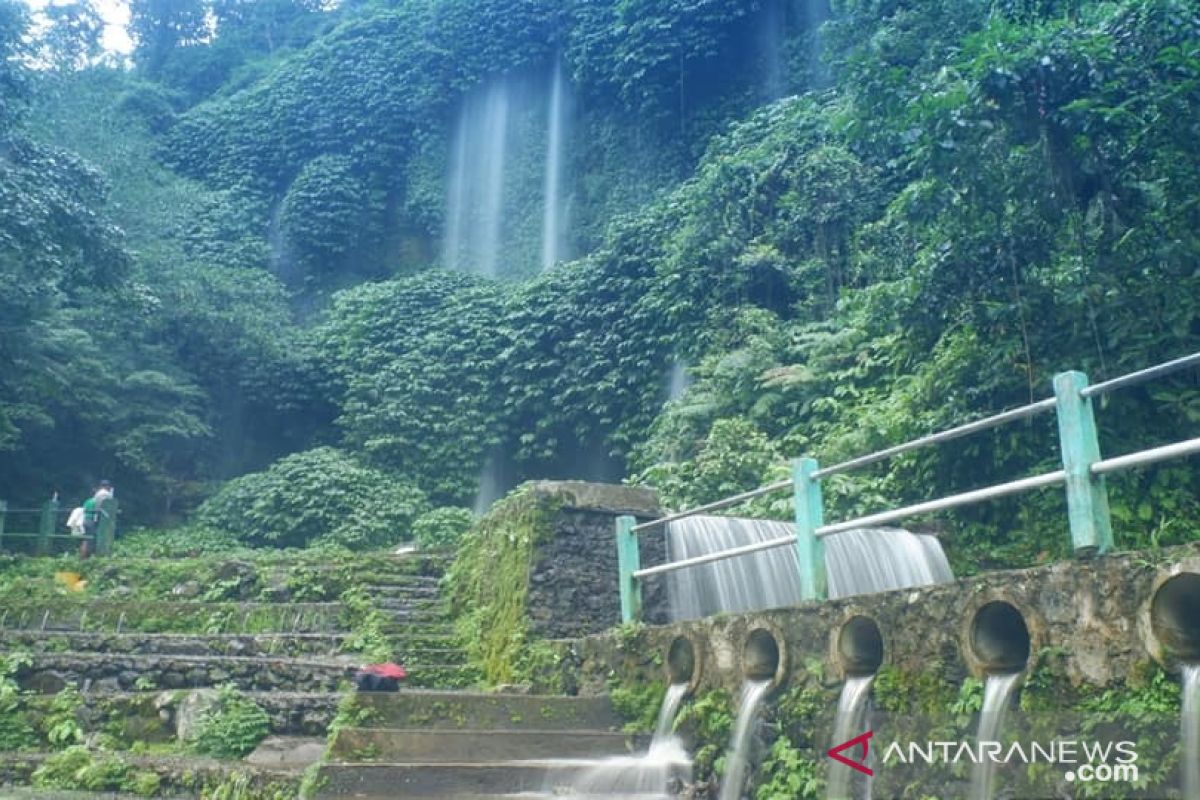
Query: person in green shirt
92	510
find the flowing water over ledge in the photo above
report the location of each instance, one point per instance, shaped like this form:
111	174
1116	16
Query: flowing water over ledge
857	562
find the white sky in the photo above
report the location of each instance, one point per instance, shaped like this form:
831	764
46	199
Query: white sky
116	17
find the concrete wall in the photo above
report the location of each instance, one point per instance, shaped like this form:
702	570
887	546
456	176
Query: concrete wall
573	583
1097	612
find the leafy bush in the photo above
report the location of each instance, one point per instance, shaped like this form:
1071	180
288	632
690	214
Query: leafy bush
232	727
189	540
317	494
79	768
328	213
442	527
15	731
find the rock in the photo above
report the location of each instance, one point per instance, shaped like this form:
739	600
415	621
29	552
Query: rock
287	751
187	589
191	708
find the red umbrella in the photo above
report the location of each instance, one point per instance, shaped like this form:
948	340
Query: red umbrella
388	670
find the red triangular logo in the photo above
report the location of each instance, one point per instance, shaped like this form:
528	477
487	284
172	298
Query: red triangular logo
836	752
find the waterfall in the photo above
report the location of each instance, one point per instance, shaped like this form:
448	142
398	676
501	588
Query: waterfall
997	696
814	14
552	210
1190	732
646	776
851	720
678	379
474	207
771	35
738	760
857	562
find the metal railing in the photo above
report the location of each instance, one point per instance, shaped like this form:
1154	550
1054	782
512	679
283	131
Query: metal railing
49	517
1082	473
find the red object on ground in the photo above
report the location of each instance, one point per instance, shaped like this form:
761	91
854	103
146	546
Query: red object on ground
388	670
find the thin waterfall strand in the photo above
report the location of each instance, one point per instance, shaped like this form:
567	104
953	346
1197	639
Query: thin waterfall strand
668	711
857	562
1190	732
552	227
738	761
851	721
997	697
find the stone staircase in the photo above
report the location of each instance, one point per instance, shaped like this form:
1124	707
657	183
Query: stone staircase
420	629
468	746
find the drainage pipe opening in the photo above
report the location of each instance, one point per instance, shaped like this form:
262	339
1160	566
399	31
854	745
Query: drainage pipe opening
860	646
762	657
1175	615
682	664
1000	638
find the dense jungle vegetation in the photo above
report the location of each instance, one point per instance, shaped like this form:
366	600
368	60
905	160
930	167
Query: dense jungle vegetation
856	223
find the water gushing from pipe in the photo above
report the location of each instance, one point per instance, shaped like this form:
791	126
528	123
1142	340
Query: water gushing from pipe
738	761
997	697
645	776
851	720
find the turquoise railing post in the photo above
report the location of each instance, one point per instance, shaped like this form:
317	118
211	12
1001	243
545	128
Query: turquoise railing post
46	526
1087	498
628	562
107	528
810	515
3	514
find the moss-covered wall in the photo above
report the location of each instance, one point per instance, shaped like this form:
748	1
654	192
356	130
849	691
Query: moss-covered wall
542	563
1096	669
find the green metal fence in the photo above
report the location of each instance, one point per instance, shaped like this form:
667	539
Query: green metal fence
1082	474
38	529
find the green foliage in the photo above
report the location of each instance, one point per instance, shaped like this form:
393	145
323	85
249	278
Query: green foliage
788	774
232	728
16	733
442	528
489	580
706	722
638	705
61	725
79	768
328	214
320	494
366	623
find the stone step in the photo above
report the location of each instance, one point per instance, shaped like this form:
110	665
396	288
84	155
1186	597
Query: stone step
104	672
408	609
480	711
422	655
152	714
474	746
449	780
164	617
137	643
424	587
441	676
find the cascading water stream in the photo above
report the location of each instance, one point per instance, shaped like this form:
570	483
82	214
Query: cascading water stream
857	562
644	777
1189	734
678	379
668	711
738	760
552	209
997	697
474	207
850	721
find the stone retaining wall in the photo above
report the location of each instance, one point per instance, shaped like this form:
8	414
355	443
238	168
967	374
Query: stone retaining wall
1096	614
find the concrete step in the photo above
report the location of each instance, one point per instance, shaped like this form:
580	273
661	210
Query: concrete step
441	676
419	608
474	746
440	710
449	780
423	655
407	589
